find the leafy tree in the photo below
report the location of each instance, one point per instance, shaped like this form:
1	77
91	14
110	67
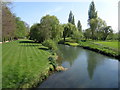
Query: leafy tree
73	21
106	31
79	26
34	32
21	29
77	35
8	23
71	18
93	25
51	25
92	20
92	13
69	30
49	28
87	33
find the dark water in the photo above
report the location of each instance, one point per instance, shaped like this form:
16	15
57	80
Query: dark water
86	69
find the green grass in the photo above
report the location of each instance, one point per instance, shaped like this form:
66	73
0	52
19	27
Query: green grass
113	44
107	47
23	62
71	44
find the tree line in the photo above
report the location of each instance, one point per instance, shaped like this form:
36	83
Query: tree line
12	26
50	28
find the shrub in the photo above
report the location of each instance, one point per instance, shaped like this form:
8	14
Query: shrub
50	44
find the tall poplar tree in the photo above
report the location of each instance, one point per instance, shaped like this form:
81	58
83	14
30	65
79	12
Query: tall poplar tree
71	18
79	26
92	19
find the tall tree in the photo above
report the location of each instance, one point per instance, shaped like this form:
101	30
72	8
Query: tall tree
92	11
92	19
21	28
79	26
8	23
71	18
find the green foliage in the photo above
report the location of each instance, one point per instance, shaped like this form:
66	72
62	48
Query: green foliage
69	30
8	24
92	20
49	28
52	61
79	26
71	18
50	44
87	33
92	13
21	29
35	33
77	35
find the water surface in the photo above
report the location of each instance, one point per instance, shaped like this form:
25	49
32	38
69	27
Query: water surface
86	69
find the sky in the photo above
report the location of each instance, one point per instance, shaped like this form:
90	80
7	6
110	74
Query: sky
32	11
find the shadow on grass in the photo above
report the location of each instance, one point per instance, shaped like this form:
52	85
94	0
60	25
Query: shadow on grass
27	42
29	45
44	49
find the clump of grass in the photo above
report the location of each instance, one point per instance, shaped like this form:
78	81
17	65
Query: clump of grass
71	44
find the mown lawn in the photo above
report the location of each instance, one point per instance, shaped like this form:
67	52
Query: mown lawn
22	63
109	48
113	44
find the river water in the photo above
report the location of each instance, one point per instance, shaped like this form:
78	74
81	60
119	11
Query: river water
86	69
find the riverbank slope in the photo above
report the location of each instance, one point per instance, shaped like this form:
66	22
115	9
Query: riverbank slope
98	47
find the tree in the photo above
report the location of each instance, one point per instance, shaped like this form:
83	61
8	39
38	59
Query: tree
21	28
79	26
51	25
92	13
106	31
8	23
71	18
49	28
34	32
93	26
92	20
69	30
77	35
73	21
87	33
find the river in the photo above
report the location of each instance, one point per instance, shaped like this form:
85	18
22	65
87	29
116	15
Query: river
86	69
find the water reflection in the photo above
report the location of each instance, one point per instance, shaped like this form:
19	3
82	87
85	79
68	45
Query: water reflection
68	54
87	69
93	60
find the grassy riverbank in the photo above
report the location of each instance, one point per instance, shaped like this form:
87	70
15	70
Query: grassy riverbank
109	48
24	64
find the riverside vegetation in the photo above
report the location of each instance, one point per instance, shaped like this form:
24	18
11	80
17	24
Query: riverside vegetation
31	52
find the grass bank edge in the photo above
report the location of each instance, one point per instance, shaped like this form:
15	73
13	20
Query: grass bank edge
93	47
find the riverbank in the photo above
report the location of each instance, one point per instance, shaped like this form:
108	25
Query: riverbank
102	49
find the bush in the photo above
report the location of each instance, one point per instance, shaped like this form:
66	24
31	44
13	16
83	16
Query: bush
50	44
